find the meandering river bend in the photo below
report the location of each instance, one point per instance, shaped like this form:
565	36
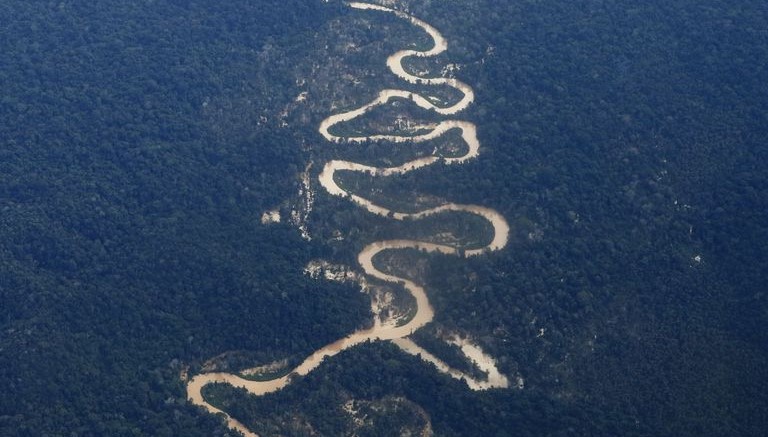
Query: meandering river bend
397	332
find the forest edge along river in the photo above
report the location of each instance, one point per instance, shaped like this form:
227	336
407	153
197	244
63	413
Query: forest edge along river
397	332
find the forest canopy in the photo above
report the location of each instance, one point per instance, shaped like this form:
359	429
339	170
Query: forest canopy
142	141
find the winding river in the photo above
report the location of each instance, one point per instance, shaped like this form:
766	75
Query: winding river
396	332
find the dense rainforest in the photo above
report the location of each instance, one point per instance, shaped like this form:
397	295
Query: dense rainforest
141	142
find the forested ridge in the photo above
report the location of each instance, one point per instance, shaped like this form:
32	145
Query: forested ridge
141	141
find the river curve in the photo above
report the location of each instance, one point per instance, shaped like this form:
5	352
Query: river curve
424	312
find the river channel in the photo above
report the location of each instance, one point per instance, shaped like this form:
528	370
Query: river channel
397	332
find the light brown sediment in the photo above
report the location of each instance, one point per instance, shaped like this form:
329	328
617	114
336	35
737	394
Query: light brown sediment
397	332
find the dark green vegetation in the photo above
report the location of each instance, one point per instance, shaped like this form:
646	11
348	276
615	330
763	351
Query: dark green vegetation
621	140
372	372
132	180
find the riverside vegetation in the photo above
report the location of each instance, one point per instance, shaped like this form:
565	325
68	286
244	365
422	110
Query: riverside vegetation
420	313
143	141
